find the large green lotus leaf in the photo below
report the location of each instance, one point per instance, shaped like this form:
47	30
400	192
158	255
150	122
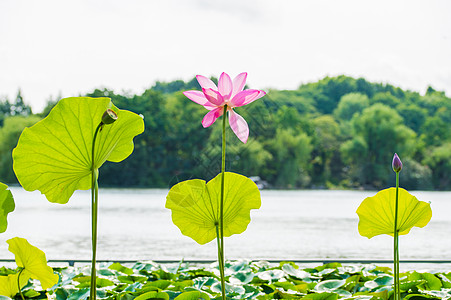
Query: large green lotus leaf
6	205
33	261
377	213
54	155
9	285
195	206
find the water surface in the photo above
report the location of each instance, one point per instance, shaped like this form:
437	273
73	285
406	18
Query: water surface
133	224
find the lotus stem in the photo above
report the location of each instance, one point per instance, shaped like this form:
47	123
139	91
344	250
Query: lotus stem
18	284
221	207
220	258
94	209
397	290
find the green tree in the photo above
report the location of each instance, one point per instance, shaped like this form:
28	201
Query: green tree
413	115
434	131
349	105
378	133
18	107
260	118
328	91
185	140
365	87
292	153
338	137
249	159
5	109
386	98
175	86
416	176
303	103
434	101
439	160
326	143
288	117
9	135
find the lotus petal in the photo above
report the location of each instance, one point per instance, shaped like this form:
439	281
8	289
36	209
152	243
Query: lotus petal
212	116
199	98
242	97
214	97
54	155
225	86
377	213
206	83
238	83
239	126
195	206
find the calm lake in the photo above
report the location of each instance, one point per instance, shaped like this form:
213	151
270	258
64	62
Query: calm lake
133	224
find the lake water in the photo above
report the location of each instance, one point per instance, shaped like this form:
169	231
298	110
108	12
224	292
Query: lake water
292	225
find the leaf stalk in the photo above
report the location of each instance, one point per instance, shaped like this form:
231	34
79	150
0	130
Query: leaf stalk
221	209
397	290
18	284
94	210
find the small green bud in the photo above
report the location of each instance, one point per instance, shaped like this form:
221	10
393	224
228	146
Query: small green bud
109	116
396	164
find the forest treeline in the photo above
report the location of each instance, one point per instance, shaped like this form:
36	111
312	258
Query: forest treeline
339	132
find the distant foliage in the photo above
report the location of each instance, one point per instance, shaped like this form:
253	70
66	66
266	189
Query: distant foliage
338	132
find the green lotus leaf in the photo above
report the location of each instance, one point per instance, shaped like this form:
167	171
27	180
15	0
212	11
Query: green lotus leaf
33	261
195	206
6	205
329	285
54	155
192	295
9	285
153	295
377	213
321	296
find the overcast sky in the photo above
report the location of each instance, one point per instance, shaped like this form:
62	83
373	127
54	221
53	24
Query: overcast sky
52	47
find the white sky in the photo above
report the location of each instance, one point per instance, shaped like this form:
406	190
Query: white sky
51	47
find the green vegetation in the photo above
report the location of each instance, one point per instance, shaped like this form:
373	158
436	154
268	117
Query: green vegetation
248	280
338	132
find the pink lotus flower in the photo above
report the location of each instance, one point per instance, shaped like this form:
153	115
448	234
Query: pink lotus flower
228	93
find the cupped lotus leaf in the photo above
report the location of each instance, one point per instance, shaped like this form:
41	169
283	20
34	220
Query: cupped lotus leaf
195	206
33	261
54	155
6	205
9	285
377	213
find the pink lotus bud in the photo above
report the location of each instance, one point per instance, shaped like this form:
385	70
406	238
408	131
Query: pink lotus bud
396	164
